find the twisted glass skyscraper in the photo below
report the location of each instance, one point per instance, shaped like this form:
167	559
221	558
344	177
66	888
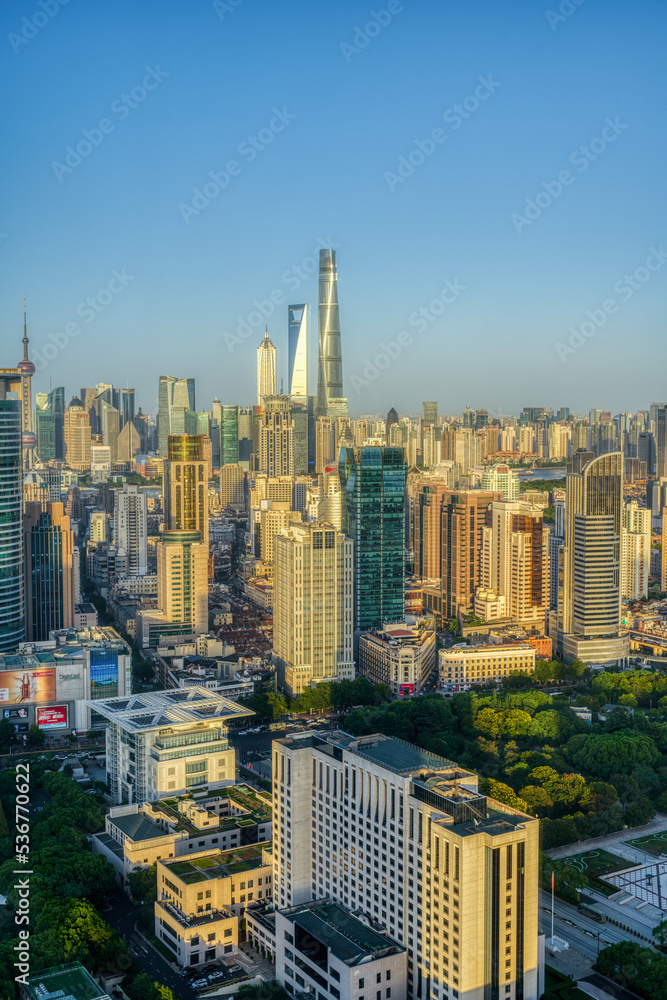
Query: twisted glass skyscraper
329	358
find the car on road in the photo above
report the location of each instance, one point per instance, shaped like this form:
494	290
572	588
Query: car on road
198	983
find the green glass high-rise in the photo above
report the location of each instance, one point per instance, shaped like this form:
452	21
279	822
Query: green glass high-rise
373	515
229	435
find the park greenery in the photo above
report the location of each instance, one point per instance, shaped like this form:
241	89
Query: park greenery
638	968
337	695
533	752
68	885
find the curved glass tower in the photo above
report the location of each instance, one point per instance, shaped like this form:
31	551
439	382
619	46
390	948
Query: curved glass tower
329	358
12	620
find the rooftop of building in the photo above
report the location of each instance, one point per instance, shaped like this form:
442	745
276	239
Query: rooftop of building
174	709
64	982
387	751
350	941
487	648
218	864
401	633
137	827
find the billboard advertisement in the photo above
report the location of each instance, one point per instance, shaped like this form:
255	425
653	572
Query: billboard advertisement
15	713
27	687
52	718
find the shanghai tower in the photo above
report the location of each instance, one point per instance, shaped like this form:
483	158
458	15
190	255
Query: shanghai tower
329	360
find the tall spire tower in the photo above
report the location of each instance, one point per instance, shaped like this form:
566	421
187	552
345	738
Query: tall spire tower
329	359
27	370
266	369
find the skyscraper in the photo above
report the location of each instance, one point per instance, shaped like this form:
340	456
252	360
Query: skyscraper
185	490
182	550
173	394
392	419
430	412
463	513
297	338
588	618
329	357
312	606
373	515
266	370
77	436
661	441
276	447
12	614
49	580
514	564
635	551
130	527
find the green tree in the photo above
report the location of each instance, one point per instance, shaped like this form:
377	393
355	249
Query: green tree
7	734
659	932
503	793
36	736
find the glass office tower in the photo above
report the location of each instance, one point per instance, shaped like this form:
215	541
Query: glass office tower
12	617
373	515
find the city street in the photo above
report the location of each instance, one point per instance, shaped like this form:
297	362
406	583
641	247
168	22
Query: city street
581	931
122	917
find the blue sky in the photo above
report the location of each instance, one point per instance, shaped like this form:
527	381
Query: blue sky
220	72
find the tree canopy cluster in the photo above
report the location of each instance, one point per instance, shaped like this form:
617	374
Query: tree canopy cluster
68	886
534	753
339	695
640	969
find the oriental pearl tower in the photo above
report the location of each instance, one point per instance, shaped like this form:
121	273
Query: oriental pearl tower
27	370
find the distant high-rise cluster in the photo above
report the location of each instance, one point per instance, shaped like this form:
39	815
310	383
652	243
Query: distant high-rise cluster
290	539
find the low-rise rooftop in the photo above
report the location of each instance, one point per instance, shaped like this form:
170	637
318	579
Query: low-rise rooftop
218	864
349	940
64	982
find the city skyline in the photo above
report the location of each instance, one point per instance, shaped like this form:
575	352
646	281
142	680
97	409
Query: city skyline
538	92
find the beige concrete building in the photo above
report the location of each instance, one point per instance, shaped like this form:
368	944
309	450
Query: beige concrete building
232	485
165	743
463	665
400	655
635	551
312	606
405	838
514	563
77	436
325	450
276	442
138	835
200	899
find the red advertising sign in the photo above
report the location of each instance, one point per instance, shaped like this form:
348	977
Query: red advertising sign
52	718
